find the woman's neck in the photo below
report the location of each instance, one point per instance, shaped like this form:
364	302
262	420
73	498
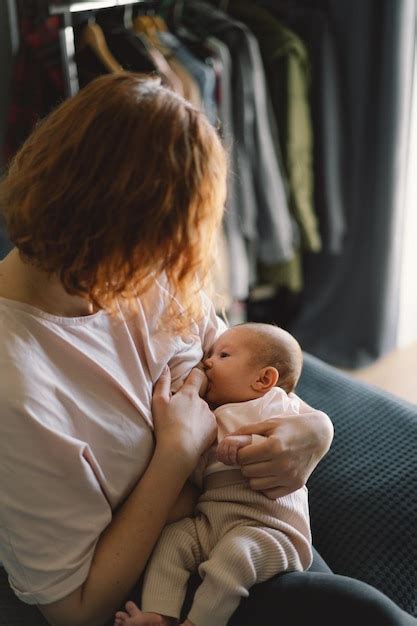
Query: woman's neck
26	283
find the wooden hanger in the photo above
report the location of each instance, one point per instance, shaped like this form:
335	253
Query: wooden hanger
160	23
145	24
93	37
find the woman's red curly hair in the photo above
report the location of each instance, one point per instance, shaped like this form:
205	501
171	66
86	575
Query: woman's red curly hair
121	183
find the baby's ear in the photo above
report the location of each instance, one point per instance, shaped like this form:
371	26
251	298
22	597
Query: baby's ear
267	378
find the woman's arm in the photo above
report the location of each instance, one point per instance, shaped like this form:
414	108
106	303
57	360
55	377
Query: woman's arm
184	428
123	548
293	447
185	504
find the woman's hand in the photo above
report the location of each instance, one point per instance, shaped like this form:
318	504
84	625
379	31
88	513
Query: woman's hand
184	425
292	448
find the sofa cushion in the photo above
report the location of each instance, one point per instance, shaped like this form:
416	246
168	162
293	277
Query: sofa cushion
363	495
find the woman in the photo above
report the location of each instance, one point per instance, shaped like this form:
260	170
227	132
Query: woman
112	205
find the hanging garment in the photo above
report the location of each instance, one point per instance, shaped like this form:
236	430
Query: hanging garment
37	80
203	74
130	55
237	253
288	274
276	306
312	24
264	217
127	49
168	77
146	28
288	74
230	275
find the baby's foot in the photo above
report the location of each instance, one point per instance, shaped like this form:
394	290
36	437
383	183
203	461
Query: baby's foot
136	617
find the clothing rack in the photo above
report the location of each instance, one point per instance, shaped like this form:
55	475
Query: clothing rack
66	34
13	25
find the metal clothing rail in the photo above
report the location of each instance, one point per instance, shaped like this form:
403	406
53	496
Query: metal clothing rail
13	25
66	33
77	7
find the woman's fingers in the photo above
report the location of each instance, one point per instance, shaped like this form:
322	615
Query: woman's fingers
260	484
277	492
196	380
259	428
162	387
183	422
269	488
258	470
255	453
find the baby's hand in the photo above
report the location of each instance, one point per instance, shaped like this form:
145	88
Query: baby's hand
227	450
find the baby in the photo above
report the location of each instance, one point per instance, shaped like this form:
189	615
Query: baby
238	536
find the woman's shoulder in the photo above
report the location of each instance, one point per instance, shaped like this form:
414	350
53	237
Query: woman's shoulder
12	331
26	343
16	363
160	296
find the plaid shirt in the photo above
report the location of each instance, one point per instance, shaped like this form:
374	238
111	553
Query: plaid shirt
37	80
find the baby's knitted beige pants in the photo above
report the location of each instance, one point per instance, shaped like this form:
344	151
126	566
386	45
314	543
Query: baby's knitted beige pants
238	538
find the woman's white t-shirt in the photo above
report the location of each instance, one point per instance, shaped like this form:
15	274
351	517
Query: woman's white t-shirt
76	429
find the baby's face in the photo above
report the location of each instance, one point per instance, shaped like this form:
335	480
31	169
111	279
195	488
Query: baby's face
228	368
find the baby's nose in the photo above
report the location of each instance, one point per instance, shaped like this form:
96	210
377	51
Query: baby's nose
207	362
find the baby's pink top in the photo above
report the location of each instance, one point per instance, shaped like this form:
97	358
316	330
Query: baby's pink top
291	511
234	415
76	429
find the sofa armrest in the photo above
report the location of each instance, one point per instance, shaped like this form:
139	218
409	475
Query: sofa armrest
363	495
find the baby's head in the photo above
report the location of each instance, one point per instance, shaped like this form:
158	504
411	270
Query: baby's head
248	360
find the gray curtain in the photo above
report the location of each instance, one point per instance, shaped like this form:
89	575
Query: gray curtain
349	311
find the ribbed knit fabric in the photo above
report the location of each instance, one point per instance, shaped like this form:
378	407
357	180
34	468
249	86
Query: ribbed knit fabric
238	538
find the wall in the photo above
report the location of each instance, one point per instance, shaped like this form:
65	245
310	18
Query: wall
407	330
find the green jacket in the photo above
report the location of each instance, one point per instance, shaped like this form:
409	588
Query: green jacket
287	69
